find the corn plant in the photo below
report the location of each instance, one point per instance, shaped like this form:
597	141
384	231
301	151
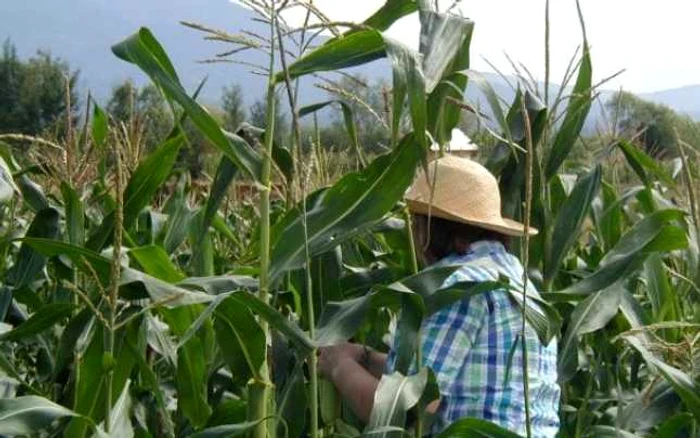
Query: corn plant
130	315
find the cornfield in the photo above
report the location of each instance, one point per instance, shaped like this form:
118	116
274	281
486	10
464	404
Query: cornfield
135	306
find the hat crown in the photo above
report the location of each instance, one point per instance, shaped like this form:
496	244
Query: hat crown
459	186
461	190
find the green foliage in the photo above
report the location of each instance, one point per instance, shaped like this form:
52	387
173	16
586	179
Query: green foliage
33	92
175	338
233	109
655	127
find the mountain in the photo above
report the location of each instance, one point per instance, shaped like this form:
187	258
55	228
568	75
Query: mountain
684	99
82	32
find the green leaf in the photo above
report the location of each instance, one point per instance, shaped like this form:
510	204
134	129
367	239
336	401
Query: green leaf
228	430
395	395
292	403
567	225
133	284
241	340
352	49
179	219
685	387
7	184
442	38
225	173
389	13
355	202
156	262
443	115
661	297
145	182
31	263
590	315
44	318
29	414
75	214
120	418
72	332
652	234
610	432
641	162
477	428
191	372
32	193
145	51
410	80
89	388
576	113
100	126
478	79
277	321
675	426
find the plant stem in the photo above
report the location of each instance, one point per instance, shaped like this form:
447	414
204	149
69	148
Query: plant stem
108	360
419	349
261	402
584	406
546	53
525	257
313	360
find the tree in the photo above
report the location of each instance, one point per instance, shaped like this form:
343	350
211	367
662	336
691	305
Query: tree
143	110
368	102
33	94
232	105
653	125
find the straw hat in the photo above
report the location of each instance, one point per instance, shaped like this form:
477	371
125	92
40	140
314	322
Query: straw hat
464	192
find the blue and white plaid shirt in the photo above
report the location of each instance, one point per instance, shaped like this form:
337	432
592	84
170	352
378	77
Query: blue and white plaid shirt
474	348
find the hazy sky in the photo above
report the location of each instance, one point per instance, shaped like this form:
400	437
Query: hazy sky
654	41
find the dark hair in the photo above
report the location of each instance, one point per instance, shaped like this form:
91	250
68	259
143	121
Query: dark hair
438	237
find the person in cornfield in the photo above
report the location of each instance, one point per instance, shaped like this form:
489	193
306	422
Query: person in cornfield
473	346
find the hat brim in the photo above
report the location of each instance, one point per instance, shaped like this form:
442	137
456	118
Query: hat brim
504	226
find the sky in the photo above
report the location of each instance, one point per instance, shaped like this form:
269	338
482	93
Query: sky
653	41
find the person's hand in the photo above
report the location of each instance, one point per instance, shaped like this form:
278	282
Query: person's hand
331	359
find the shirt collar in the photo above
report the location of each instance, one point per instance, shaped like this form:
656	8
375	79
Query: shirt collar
485	246
476	250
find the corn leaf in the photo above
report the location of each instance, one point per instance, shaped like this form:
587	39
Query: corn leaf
100	126
647	168
590	315
570	218
355	202
576	112
477	428
442	38
395	395
30	263
148	177
145	51
75	214
228	430
29	414
191	371
684	385
120	418
42	319
241	340
654	233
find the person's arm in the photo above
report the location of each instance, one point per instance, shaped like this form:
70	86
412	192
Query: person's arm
341	365
375	362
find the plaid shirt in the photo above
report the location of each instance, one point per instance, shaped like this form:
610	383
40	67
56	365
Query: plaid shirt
474	348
